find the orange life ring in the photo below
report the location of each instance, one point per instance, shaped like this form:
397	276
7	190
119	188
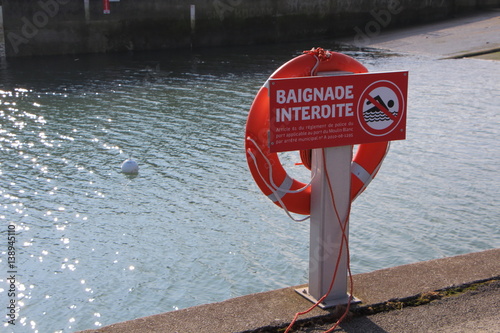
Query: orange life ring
266	167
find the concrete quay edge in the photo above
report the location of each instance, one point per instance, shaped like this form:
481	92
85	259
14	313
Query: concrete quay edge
274	309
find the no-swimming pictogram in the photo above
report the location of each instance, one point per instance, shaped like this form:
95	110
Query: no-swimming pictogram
381	108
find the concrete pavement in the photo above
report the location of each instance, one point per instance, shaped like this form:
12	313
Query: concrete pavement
473	310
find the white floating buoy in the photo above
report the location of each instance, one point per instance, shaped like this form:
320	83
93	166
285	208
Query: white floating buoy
130	166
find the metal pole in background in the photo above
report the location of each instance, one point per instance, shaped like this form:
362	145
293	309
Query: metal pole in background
193	22
105	7
2	37
86	7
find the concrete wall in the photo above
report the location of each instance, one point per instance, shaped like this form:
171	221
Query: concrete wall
41	27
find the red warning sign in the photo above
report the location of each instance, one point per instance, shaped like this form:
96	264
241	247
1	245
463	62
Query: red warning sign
328	111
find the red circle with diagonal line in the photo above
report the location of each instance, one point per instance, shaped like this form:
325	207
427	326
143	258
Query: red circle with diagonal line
380	108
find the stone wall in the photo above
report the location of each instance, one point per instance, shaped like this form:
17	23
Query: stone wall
42	27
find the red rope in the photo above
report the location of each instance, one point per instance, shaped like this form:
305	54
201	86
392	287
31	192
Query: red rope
343	226
344	237
319	52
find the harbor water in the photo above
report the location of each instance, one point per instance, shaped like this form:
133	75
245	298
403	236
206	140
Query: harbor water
94	246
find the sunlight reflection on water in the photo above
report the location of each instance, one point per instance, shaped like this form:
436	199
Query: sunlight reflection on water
97	246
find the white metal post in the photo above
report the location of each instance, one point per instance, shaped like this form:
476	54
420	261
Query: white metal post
192	11
86	7
326	245
2	38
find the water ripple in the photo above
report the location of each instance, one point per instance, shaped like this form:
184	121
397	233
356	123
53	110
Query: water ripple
192	227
